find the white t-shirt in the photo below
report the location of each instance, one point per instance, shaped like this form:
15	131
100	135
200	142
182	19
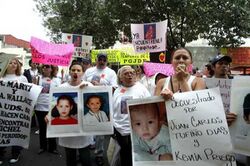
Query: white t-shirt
79	141
43	99
120	97
106	76
14	77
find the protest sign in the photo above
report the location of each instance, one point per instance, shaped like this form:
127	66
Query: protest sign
225	89
240	104
198	129
149	37
81	118
149	132
82	43
112	54
50	53
17	101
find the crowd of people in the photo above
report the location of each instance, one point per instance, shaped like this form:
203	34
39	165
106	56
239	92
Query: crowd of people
127	84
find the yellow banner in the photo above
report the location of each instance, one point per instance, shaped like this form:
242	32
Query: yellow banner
124	56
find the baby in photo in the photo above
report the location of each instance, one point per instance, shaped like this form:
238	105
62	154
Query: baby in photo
150	138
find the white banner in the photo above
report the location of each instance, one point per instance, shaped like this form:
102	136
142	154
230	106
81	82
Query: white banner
17	101
240	104
81	117
225	89
198	129
149	37
82	43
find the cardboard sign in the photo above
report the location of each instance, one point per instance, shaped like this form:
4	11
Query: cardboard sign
17	101
198	129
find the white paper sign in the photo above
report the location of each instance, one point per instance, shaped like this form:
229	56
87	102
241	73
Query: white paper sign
150	37
17	102
82	43
225	89
198	129
240	104
76	112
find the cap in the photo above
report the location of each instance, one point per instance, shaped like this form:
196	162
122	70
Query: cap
101	55
86	60
218	58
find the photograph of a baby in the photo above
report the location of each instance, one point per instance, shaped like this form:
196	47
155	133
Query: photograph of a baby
95	113
150	136
64	112
244	129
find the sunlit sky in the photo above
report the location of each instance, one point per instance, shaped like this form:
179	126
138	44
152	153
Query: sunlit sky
20	19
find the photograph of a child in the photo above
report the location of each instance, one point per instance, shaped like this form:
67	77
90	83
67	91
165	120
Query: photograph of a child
150	135
244	129
65	111
96	107
77	40
149	31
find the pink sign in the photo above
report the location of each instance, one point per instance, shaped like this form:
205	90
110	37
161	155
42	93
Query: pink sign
50	53
166	69
152	68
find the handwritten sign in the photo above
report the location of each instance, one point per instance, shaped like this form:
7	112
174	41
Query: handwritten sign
17	101
49	53
225	89
198	129
82	43
150	37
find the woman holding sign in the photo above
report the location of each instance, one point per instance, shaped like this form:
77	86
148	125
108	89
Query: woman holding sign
182	80
77	143
13	73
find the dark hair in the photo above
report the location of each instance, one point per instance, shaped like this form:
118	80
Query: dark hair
95	96
30	61
73	111
246	106
210	69
141	106
75	62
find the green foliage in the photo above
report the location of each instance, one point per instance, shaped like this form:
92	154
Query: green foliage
222	22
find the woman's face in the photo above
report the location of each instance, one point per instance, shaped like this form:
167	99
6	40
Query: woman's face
12	67
128	77
94	104
76	73
181	56
64	107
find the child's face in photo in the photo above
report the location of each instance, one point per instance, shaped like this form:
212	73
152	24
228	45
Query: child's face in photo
145	122
247	119
63	108
94	104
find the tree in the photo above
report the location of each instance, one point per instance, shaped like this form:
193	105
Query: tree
222	22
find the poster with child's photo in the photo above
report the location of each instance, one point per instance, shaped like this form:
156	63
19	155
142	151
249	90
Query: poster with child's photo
149	132
240	104
97	110
64	119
